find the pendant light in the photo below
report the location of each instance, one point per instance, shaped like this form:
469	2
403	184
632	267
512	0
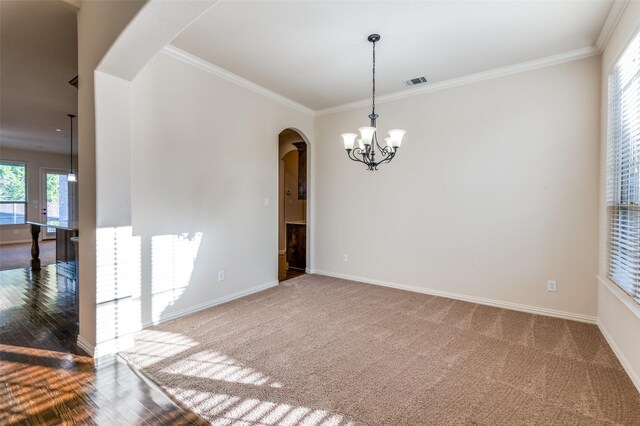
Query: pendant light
365	151
72	176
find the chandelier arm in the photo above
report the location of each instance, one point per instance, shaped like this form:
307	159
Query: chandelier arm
386	151
377	143
363	153
386	160
353	157
366	160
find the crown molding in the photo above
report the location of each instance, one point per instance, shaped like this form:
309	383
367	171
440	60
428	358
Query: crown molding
195	61
610	23
614	15
560	58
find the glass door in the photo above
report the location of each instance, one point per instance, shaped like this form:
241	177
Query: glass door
56	199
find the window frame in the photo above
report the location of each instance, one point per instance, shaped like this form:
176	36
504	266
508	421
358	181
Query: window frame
615	191
26	193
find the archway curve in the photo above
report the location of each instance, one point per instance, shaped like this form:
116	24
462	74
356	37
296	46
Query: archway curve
300	136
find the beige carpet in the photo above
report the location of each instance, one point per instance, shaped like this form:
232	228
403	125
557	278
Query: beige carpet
18	256
323	351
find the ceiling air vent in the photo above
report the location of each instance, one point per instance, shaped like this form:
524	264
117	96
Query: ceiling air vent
415	81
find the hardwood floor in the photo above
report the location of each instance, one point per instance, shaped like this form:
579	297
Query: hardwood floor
14	256
292	273
45	378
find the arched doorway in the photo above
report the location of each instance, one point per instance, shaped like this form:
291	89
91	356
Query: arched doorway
293	158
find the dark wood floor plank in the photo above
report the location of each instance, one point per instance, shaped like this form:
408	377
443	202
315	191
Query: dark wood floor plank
45	378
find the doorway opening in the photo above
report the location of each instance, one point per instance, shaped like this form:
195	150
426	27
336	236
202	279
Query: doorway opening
292	206
57	199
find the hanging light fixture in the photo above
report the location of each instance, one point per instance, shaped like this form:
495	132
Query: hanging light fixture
72	176
365	151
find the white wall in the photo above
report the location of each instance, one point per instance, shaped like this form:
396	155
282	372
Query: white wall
35	162
115	40
100	23
204	158
618	314
493	193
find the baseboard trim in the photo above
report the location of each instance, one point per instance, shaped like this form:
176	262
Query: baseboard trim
211	303
480	300
85	346
633	375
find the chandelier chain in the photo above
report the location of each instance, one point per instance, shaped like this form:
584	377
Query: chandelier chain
373	107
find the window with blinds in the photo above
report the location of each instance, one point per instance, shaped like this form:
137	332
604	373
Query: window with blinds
623	177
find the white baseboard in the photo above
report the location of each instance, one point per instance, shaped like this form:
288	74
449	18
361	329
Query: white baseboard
480	300
633	375
85	346
183	312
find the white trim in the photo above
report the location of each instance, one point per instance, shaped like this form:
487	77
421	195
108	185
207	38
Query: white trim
480	300
193	60
573	55
210	303
560	58
626	300
617	8
85	346
635	379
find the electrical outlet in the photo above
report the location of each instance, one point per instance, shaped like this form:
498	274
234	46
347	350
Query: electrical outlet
266	202
552	285
221	276
345	259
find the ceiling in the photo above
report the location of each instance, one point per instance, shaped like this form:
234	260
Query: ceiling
39	56
316	52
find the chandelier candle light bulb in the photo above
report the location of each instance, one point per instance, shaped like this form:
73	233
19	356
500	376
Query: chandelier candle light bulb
365	152
349	138
366	133
396	137
388	141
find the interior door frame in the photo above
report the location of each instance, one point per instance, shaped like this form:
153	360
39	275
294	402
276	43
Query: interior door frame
46	235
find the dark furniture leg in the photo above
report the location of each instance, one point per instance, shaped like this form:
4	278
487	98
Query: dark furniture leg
35	248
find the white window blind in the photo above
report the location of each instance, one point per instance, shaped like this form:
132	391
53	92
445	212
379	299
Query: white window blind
623	177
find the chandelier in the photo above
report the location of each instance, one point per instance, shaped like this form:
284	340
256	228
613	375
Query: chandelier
367	143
